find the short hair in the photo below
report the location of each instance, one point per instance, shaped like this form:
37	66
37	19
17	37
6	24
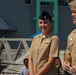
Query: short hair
72	5
45	15
25	60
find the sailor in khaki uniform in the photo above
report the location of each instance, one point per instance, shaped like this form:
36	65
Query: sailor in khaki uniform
70	57
71	48
44	49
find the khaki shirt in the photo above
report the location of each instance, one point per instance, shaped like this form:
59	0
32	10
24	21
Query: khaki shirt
71	47
40	51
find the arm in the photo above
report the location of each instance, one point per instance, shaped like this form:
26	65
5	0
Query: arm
30	61
58	63
31	66
67	62
67	57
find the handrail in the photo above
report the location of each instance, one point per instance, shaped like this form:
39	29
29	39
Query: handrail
5	42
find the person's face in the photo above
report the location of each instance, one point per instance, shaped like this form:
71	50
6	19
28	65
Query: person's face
74	17
26	64
45	26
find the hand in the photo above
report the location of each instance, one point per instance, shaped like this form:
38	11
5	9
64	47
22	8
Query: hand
66	66
74	69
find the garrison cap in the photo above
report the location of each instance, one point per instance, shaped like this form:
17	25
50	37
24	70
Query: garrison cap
45	15
72	5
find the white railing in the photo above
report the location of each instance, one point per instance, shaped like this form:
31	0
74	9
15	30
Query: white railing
8	53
